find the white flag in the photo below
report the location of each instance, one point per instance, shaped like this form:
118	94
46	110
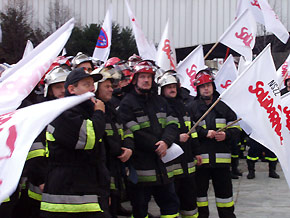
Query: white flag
283	72
28	48
226	75
243	64
241	35
255	97
285	100
189	67
146	51
253	6
103	45
24	76
18	130
265	15
166	57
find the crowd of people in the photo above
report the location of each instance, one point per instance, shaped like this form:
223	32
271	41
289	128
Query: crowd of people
110	148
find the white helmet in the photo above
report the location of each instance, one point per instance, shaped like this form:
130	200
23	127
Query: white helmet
56	75
80	58
167	79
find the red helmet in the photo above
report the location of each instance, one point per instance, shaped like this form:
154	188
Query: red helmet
133	60
145	66
112	61
203	77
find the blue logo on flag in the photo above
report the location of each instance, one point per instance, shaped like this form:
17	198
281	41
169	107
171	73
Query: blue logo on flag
102	40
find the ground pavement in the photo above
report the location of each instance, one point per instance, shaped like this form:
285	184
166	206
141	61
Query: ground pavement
262	197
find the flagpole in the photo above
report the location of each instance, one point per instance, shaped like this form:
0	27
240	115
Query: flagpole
215	45
230	124
200	119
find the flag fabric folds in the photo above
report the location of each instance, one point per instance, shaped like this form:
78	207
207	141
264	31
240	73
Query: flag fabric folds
19	129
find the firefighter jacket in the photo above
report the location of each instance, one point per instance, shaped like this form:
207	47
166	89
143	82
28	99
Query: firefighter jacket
214	153
114	140
77	175
149	119
184	165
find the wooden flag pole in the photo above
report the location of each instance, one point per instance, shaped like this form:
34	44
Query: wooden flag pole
200	119
215	45
230	124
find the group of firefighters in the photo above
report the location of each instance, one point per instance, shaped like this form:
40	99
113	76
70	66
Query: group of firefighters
111	147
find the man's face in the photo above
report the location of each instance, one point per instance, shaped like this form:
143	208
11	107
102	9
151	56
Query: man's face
57	90
105	91
85	85
144	81
87	66
170	91
206	90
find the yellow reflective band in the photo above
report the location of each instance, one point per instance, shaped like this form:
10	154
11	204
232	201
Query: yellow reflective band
229	204
144	125
70	208
109	132
235	156
220	125
169	216
91	138
203	126
162	121
128	135
202	204
135	128
271	158
121	133
194	135
252	158
6	200
49	137
36	153
205	160
173	122
112	186
170	174
191	170
34	195
147	179
238	127
223	160
192	216
145	216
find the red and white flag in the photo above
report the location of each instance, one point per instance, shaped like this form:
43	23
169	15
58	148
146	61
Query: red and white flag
265	15
243	64
28	48
189	67
255	97
17	82
103	45
146	51
166	56
283	72
241	35
18	130
285	102
226	75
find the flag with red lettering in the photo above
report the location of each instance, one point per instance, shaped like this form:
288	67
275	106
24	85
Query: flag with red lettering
18	130
243	64
283	72
189	67
146	51
166	56
285	101
28	48
17	82
226	75
255	97
103	45
241	35
265	15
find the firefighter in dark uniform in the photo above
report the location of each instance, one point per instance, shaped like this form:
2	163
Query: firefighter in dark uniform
215	147
77	183
153	128
118	148
36	161
256	152
184	165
